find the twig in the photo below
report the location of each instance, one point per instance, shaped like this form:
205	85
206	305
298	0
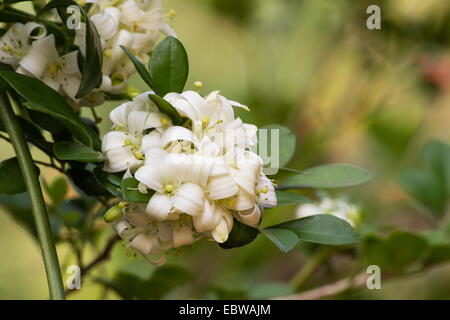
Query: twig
49	165
329	289
103	256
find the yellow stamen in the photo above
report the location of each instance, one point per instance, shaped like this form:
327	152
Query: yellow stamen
108	54
138	155
127	143
198	85
118	128
169	188
205	121
262	190
164	121
6	48
53	68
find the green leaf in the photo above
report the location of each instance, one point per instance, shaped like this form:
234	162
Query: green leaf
240	235
67	150
19	208
437	155
328	176
425	186
11	181
111	181
85	181
44	99
167	108
289	199
131	193
93	60
169	67
406	248
376	251
284	239
140	68
286	144
321	228
57	190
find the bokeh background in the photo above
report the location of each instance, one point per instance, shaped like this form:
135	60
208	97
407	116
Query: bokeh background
372	98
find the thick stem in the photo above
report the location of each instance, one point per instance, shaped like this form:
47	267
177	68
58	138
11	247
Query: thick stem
308	269
31	180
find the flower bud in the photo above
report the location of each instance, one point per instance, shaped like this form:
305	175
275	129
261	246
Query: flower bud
113	214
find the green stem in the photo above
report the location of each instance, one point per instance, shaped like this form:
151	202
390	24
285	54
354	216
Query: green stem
31	179
308	269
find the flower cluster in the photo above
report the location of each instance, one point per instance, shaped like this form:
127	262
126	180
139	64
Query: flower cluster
201	174
135	24
31	50
340	207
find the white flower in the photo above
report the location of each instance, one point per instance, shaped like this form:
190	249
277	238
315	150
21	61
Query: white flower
43	62
15	43
201	177
176	182
339	207
138	126
130	23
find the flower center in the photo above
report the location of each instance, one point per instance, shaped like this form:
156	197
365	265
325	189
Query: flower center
54	68
6	47
205	121
169	188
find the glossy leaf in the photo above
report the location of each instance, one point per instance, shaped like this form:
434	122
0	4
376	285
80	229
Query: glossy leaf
140	68
69	150
131	193
169	66
11	181
283	147
284	239
165	107
321	228
240	235
328	176
44	99
110	181
285	198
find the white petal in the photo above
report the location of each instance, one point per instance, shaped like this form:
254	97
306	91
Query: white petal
123	229
139	219
151	176
70	63
220	233
41	54
136	122
142	243
189	199
221	187
119	115
250	217
149	141
239	105
120	159
182	236
208	220
177	133
113	139
158	207
246	179
107	22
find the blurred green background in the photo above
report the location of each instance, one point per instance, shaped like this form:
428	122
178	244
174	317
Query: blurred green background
372	98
